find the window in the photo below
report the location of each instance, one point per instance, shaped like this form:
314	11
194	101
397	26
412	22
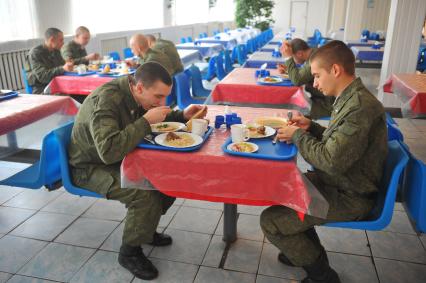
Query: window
191	11
17	20
102	16
222	11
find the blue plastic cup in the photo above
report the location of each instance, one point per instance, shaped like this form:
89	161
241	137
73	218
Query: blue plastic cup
236	120
228	118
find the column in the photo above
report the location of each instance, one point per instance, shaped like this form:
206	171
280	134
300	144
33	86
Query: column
353	22
403	37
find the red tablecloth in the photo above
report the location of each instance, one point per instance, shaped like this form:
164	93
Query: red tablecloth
210	174
83	85
411	89
240	86
25	109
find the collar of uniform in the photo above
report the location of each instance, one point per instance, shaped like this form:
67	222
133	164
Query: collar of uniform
128	98
77	45
148	51
346	94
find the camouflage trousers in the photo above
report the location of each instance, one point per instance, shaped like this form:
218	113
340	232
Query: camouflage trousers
283	228
144	209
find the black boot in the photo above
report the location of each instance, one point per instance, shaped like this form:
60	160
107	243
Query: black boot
320	272
160	240
133	259
284	260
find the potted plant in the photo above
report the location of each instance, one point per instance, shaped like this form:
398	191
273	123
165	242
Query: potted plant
256	13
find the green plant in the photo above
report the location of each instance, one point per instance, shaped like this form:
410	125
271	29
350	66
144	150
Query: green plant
257	13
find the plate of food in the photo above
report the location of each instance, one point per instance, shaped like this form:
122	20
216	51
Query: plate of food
273	122
178	139
260	131
166	127
245	147
271	80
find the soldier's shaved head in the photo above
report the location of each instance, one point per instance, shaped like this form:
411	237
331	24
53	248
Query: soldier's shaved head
81	30
335	52
52	32
139	44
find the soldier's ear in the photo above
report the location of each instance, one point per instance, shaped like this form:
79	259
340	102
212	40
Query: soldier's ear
336	70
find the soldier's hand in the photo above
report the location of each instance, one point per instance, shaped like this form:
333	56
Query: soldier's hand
131	63
286	50
282	69
68	67
191	110
286	133
300	121
157	114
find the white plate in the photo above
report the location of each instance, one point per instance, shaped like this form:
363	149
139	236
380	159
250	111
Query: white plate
254	146
161	140
176	127
268	132
276	79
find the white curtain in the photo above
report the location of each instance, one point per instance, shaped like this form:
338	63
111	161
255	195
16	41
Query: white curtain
223	11
17	20
191	11
111	15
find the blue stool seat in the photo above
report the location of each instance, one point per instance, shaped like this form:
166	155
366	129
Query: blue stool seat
381	215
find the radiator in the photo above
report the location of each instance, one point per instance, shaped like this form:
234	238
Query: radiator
113	44
11	64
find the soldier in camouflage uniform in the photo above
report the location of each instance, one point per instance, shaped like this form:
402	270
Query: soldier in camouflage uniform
140	47
348	159
111	122
75	49
168	48
44	61
299	53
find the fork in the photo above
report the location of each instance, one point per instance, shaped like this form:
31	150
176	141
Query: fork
149	138
290	117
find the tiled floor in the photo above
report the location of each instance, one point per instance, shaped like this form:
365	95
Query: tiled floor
57	237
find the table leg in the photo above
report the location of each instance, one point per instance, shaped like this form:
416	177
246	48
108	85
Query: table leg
229	222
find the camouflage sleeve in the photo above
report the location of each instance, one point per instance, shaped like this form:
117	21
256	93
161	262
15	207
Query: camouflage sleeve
299	76
41	72
112	142
344	146
316	130
68	54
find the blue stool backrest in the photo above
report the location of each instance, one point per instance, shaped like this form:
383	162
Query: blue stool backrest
211	70
172	98
128	53
234	54
228	61
189	38
220	70
115	55
28	88
183	91
183	40
241	54
197	82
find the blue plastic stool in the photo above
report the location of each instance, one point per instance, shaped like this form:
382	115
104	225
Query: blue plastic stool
28	88
115	55
197	87
128	53
183	92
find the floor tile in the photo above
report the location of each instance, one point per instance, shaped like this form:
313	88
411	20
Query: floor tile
248	228
244	255
11	217
171	272
106	209
344	240
44	226
188	247
214	252
57	262
397	246
391	271
203	204
26	279
423	240
353	268
113	242
87	232
269	279
196	220
103	266
6	193
16	251
69	204
167	218
399	206
269	265
400	223
4	277
213	275
33	199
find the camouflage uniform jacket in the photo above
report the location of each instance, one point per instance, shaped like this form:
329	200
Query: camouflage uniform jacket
108	126
348	155
74	51
42	66
152	55
169	48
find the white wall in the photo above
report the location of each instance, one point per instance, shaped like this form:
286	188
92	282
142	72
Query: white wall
53	14
337	14
377	17
317	17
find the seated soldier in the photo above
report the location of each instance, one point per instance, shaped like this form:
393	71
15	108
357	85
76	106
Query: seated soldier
168	48
348	159
140	47
299	53
75	49
111	122
44	61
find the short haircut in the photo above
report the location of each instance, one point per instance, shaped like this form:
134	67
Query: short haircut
150	37
151	72
335	52
81	30
298	44
51	32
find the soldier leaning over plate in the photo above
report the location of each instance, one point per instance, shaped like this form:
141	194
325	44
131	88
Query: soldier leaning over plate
75	50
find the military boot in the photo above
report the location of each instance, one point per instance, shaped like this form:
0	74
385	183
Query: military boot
320	272
133	259
161	239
